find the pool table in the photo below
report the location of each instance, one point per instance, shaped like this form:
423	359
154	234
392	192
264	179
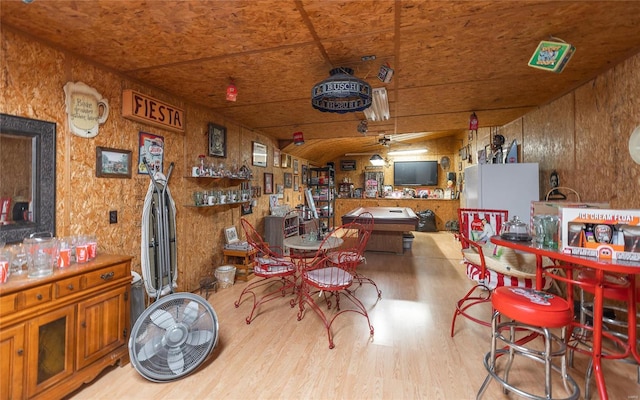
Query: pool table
389	225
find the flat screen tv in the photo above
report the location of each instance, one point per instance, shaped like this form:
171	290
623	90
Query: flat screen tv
415	173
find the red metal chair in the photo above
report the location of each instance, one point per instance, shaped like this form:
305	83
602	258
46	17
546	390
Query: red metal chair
366	222
271	266
331	279
476	228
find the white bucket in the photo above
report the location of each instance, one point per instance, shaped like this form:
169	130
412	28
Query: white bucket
226	275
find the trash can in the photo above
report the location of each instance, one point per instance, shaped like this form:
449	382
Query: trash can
407	240
137	297
427	221
226	275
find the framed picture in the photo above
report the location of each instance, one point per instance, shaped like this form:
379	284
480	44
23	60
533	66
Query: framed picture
295	167
276	157
259	154
288	180
304	171
217	140
296	183
285	161
151	151
113	163
231	235
268	183
348	165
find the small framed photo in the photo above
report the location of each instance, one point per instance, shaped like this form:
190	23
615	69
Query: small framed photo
348	165
296	183
231	235
303	174
113	163
276	157
268	183
295	166
259	154
288	180
285	161
217	140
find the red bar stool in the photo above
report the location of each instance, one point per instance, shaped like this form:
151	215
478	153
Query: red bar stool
618	289
536	312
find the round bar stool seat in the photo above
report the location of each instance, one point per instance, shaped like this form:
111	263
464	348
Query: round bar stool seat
535	312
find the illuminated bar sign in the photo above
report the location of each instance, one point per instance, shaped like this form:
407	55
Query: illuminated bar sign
142	108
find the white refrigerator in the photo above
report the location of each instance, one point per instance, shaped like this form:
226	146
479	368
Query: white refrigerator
509	187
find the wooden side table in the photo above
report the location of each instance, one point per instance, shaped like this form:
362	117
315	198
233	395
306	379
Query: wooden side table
242	260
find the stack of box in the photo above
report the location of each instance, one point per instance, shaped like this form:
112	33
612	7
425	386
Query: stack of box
555	208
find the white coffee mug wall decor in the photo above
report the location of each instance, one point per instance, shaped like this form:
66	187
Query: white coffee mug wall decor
86	109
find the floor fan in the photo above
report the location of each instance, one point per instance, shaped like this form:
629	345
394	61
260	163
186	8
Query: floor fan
177	332
173	337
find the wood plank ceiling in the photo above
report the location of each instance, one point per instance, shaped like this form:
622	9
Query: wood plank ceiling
450	57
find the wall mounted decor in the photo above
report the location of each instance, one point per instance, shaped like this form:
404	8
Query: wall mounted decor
268	183
86	109
217	140
113	163
151	150
276	157
295	166
259	158
288	180
347	165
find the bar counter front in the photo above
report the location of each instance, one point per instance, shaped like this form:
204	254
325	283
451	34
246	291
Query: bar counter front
389	225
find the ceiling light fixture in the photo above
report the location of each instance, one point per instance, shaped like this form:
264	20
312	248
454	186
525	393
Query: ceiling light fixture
406	152
232	91
341	92
379	110
377	160
298	138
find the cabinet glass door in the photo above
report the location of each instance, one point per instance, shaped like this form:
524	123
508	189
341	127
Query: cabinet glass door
50	349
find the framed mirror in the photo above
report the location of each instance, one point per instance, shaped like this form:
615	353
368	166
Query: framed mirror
28	176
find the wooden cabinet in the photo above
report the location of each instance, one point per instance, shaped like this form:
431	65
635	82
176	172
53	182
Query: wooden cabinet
61	331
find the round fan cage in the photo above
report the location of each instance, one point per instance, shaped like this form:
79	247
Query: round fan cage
173	336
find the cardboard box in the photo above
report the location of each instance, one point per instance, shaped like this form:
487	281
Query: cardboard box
601	233
555	208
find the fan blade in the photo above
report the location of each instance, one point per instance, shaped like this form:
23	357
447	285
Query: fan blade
150	348
190	313
175	360
163	319
198	338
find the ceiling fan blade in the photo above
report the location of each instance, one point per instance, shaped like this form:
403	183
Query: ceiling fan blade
190	313
175	360
162	318
150	348
197	338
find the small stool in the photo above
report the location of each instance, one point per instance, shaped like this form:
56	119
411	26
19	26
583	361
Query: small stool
535	312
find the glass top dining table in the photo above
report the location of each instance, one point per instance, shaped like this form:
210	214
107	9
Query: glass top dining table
599	267
303	243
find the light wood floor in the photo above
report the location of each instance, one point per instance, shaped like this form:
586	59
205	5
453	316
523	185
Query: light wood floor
411	355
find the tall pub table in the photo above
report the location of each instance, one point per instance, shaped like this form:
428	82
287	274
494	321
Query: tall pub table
599	267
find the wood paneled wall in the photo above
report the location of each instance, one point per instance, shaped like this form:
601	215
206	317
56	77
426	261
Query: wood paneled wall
582	135
33	77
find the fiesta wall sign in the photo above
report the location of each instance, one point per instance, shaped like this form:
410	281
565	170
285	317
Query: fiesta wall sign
142	108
